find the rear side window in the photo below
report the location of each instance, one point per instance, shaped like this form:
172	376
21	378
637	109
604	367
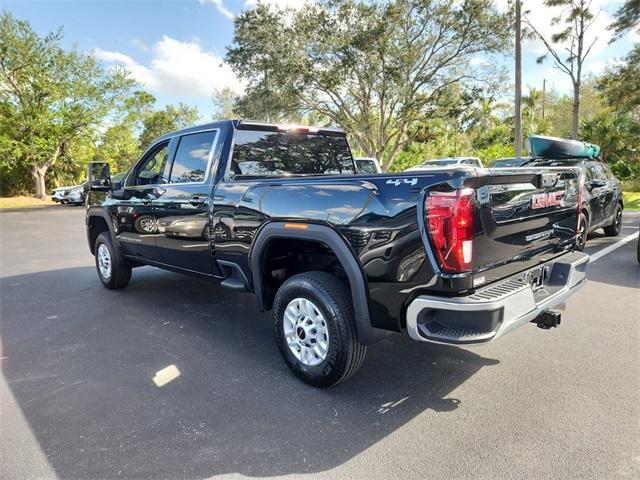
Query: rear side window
192	158
596	172
260	153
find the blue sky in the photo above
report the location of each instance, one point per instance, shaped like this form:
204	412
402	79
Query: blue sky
175	48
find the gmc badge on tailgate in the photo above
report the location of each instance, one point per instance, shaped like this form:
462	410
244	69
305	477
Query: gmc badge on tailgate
542	200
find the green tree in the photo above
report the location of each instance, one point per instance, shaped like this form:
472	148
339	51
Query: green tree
118	146
224	101
375	68
618	135
569	46
626	18
171	118
532	101
621	84
119	143
49	97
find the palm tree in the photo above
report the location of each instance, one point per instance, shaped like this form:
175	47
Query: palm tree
531	101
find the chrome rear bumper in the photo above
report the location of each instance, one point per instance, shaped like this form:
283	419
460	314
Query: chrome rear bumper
497	309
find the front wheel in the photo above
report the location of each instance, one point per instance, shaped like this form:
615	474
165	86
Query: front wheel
613	230
315	329
112	270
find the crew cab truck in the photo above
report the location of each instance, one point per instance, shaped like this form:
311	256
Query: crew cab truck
453	256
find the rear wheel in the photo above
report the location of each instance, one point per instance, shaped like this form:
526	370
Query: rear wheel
583	229
315	329
613	230
113	270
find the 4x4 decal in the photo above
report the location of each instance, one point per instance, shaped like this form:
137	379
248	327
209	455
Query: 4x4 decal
397	181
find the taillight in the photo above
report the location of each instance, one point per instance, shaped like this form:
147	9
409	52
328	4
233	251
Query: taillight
449	220
580	187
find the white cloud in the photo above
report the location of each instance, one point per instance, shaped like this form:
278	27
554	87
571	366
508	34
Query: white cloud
178	68
220	6
295	4
479	61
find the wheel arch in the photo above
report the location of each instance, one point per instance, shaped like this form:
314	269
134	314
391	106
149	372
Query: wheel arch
319	234
98	221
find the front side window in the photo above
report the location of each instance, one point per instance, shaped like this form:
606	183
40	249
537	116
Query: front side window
260	153
596	172
192	158
150	172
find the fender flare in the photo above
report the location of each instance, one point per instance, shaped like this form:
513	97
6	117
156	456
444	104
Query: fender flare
367	334
99	212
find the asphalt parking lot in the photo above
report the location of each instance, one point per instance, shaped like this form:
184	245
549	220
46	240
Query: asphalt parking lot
78	397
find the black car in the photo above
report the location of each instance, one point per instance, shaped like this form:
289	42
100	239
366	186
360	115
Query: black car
602	202
453	255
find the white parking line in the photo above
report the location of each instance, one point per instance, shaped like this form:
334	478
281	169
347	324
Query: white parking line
611	248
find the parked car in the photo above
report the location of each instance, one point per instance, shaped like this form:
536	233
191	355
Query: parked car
74	194
447	162
602	202
367	165
58	194
453	256
508	162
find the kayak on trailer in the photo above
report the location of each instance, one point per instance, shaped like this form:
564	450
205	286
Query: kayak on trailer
541	146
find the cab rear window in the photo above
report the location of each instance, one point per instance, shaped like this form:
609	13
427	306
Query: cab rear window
266	153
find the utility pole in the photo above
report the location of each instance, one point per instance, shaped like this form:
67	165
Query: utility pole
518	99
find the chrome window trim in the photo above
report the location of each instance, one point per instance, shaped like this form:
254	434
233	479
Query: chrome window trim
212	150
210	162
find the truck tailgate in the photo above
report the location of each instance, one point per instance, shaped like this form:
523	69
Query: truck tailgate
526	216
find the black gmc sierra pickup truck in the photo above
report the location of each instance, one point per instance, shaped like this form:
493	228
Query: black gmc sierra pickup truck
457	255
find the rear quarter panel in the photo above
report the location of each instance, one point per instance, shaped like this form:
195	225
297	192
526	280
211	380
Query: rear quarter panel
376	215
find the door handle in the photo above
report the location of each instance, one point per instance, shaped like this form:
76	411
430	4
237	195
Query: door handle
195	201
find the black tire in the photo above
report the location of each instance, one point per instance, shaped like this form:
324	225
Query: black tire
120	270
345	354
614	229
583	230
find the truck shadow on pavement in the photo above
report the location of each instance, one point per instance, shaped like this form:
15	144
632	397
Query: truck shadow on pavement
81	361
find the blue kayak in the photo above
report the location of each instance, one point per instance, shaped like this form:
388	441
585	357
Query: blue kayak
554	147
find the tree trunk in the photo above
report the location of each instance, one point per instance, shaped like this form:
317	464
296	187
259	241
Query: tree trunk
39	174
576	110
518	99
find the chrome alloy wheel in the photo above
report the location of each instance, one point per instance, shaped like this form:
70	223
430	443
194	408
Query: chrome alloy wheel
104	261
618	220
149	225
306	332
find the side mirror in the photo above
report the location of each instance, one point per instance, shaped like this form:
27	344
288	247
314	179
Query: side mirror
99	176
596	184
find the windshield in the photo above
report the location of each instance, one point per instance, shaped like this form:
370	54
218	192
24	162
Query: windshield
260	153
